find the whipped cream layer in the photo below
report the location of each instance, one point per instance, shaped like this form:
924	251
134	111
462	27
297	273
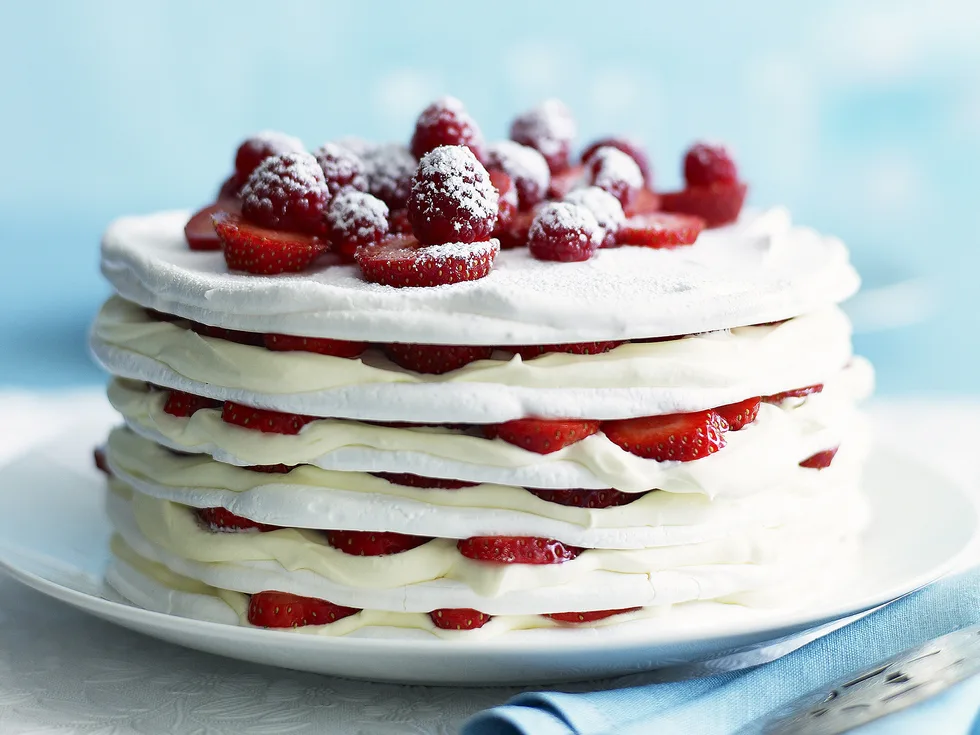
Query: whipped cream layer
760	269
636	379
309	497
761	455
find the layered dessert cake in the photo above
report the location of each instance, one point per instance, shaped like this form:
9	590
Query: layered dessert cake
463	389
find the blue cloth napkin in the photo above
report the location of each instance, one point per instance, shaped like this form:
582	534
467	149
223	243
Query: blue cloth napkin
725	703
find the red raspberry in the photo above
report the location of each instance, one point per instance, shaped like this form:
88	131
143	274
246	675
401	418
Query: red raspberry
287	192
606	209
341	168
709	163
506	200
389	170
614	171
446	122
398	223
452	199
630	147
355	219
548	128
525	166
260	147
564	232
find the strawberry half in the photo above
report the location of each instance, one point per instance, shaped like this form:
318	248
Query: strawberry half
529	352
820	460
407	479
660	230
258	419
231	335
199	230
435	359
283	610
517	550
741	414
795	393
220	519
262	251
588	617
717	204
646	202
458	618
541	436
401	262
679	437
607	498
318	345
373	543
184	405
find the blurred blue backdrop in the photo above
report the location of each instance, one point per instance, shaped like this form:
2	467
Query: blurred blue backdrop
863	117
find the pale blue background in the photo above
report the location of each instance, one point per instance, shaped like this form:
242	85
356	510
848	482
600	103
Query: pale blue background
863	117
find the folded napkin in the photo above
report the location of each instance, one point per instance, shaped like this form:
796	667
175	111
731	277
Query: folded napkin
727	703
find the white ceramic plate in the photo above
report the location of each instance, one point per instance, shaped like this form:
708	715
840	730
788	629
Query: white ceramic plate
54	536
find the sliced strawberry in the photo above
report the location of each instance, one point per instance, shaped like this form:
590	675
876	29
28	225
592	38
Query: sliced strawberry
820	460
199	230
660	230
101	463
541	436
588	617
231	335
372	543
515	235
564	182
220	519
401	262
271	469
258	419
646	202
741	414
717	204
162	316
795	393
407	479
283	610
679	437
183	405
319	345
517	550
586	498
529	352
435	359
458	618
262	251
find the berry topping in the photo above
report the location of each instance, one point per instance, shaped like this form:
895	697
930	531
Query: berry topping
515	234
458	618
286	192
371	543
631	148
820	460
612	170
679	437
230	335
565	181
586	498
342	168
271	469
319	345
795	393
401	262
606	209
258	419
525	166
506	200
230	190
718	204
284	610
660	230
219	519
260	147
549	128
541	436
199	229
709	163
435	359
398	223
446	122
589	617
101	463
355	219
646	202
452	199
407	479
389	170
741	414
517	550
529	352
564	232
262	251
183	405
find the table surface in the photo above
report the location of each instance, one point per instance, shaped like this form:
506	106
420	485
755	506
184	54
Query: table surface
62	671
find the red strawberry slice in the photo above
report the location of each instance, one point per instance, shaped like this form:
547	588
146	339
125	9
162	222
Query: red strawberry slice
458	618
541	436
258	419
517	550
660	230
183	405
262	251
741	414
318	345
271	469
564	182
588	617
795	393
646	202
283	610
231	335
586	498
820	460
679	437
407	479
220	519
529	352
373	543
101	463
435	359
401	262
199	230
717	204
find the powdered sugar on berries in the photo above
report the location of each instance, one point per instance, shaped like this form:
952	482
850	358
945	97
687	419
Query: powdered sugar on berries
549	128
389	169
526	166
616	172
286	192
342	168
604	206
357	217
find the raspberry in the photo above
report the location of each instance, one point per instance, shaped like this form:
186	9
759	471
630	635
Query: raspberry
548	128
452	199
709	163
564	232
506	200
606	209
230	189
446	122
611	169
341	168
355	219
260	147
398	223
630	147
389	170
287	192
525	166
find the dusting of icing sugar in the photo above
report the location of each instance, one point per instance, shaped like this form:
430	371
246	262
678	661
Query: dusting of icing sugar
610	167
285	191
452	173
357	216
389	169
604	206
526	166
471	252
566	216
279	141
548	127
341	167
